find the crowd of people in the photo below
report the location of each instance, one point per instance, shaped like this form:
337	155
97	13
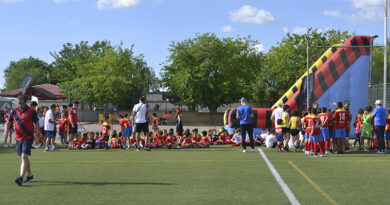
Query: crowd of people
317	132
320	131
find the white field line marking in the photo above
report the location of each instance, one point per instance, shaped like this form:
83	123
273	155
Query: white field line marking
279	179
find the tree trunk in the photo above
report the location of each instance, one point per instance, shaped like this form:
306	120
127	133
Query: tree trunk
212	114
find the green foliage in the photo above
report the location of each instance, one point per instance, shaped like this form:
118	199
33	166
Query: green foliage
208	71
102	73
286	62
17	70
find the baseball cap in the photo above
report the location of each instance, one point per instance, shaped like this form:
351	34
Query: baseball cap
243	99
378	102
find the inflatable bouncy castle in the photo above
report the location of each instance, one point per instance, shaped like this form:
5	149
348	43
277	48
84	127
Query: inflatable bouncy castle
340	74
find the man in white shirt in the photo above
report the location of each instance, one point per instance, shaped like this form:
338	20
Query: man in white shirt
277	113
141	124
49	128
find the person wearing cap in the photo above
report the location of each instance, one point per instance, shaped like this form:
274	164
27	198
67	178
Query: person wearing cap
245	114
379	116
50	123
277	113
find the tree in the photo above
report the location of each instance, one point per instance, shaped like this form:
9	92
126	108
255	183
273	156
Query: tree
101	73
208	71
286	62
17	70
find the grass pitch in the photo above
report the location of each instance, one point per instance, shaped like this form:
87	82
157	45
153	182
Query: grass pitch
219	175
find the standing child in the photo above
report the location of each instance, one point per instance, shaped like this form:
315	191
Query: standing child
324	124
63	127
306	125
387	132
295	123
105	131
286	126
340	118
357	124
155	122
279	134
315	134
366	128
10	130
127	130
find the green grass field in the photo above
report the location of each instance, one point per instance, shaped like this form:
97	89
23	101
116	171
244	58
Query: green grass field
219	175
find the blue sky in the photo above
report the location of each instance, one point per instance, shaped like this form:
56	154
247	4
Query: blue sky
38	27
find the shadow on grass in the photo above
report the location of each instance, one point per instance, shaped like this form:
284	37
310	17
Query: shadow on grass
51	183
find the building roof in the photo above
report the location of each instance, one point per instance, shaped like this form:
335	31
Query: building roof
43	91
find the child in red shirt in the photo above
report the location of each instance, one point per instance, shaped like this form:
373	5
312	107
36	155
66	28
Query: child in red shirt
205	143
105	131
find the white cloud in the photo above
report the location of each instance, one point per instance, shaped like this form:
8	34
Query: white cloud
332	13
228	28
259	48
60	1
285	29
11	1
117	4
367	10
299	30
253	15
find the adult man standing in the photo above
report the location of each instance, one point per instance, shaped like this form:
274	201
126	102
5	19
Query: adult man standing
245	113
277	113
25	117
49	128
179	124
379	116
141	124
73	122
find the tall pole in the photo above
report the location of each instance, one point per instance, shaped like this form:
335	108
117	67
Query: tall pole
307	78
385	61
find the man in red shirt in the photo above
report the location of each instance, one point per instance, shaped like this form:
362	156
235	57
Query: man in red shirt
24	117
73	121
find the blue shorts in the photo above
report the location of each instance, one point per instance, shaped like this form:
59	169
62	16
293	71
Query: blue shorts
325	133
24	147
61	133
50	134
307	135
127	132
340	133
316	138
279	138
387	135
331	134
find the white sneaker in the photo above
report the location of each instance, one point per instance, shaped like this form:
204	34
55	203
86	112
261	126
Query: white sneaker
327	152
244	150
321	155
5	145
10	145
313	155
253	150
47	149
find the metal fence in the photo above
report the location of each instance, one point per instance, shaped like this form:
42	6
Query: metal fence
375	92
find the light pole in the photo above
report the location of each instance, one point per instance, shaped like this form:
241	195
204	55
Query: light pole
370	69
385	60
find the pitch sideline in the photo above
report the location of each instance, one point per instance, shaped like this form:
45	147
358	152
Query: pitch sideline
287	191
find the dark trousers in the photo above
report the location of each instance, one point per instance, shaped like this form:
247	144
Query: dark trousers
244	129
380	136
